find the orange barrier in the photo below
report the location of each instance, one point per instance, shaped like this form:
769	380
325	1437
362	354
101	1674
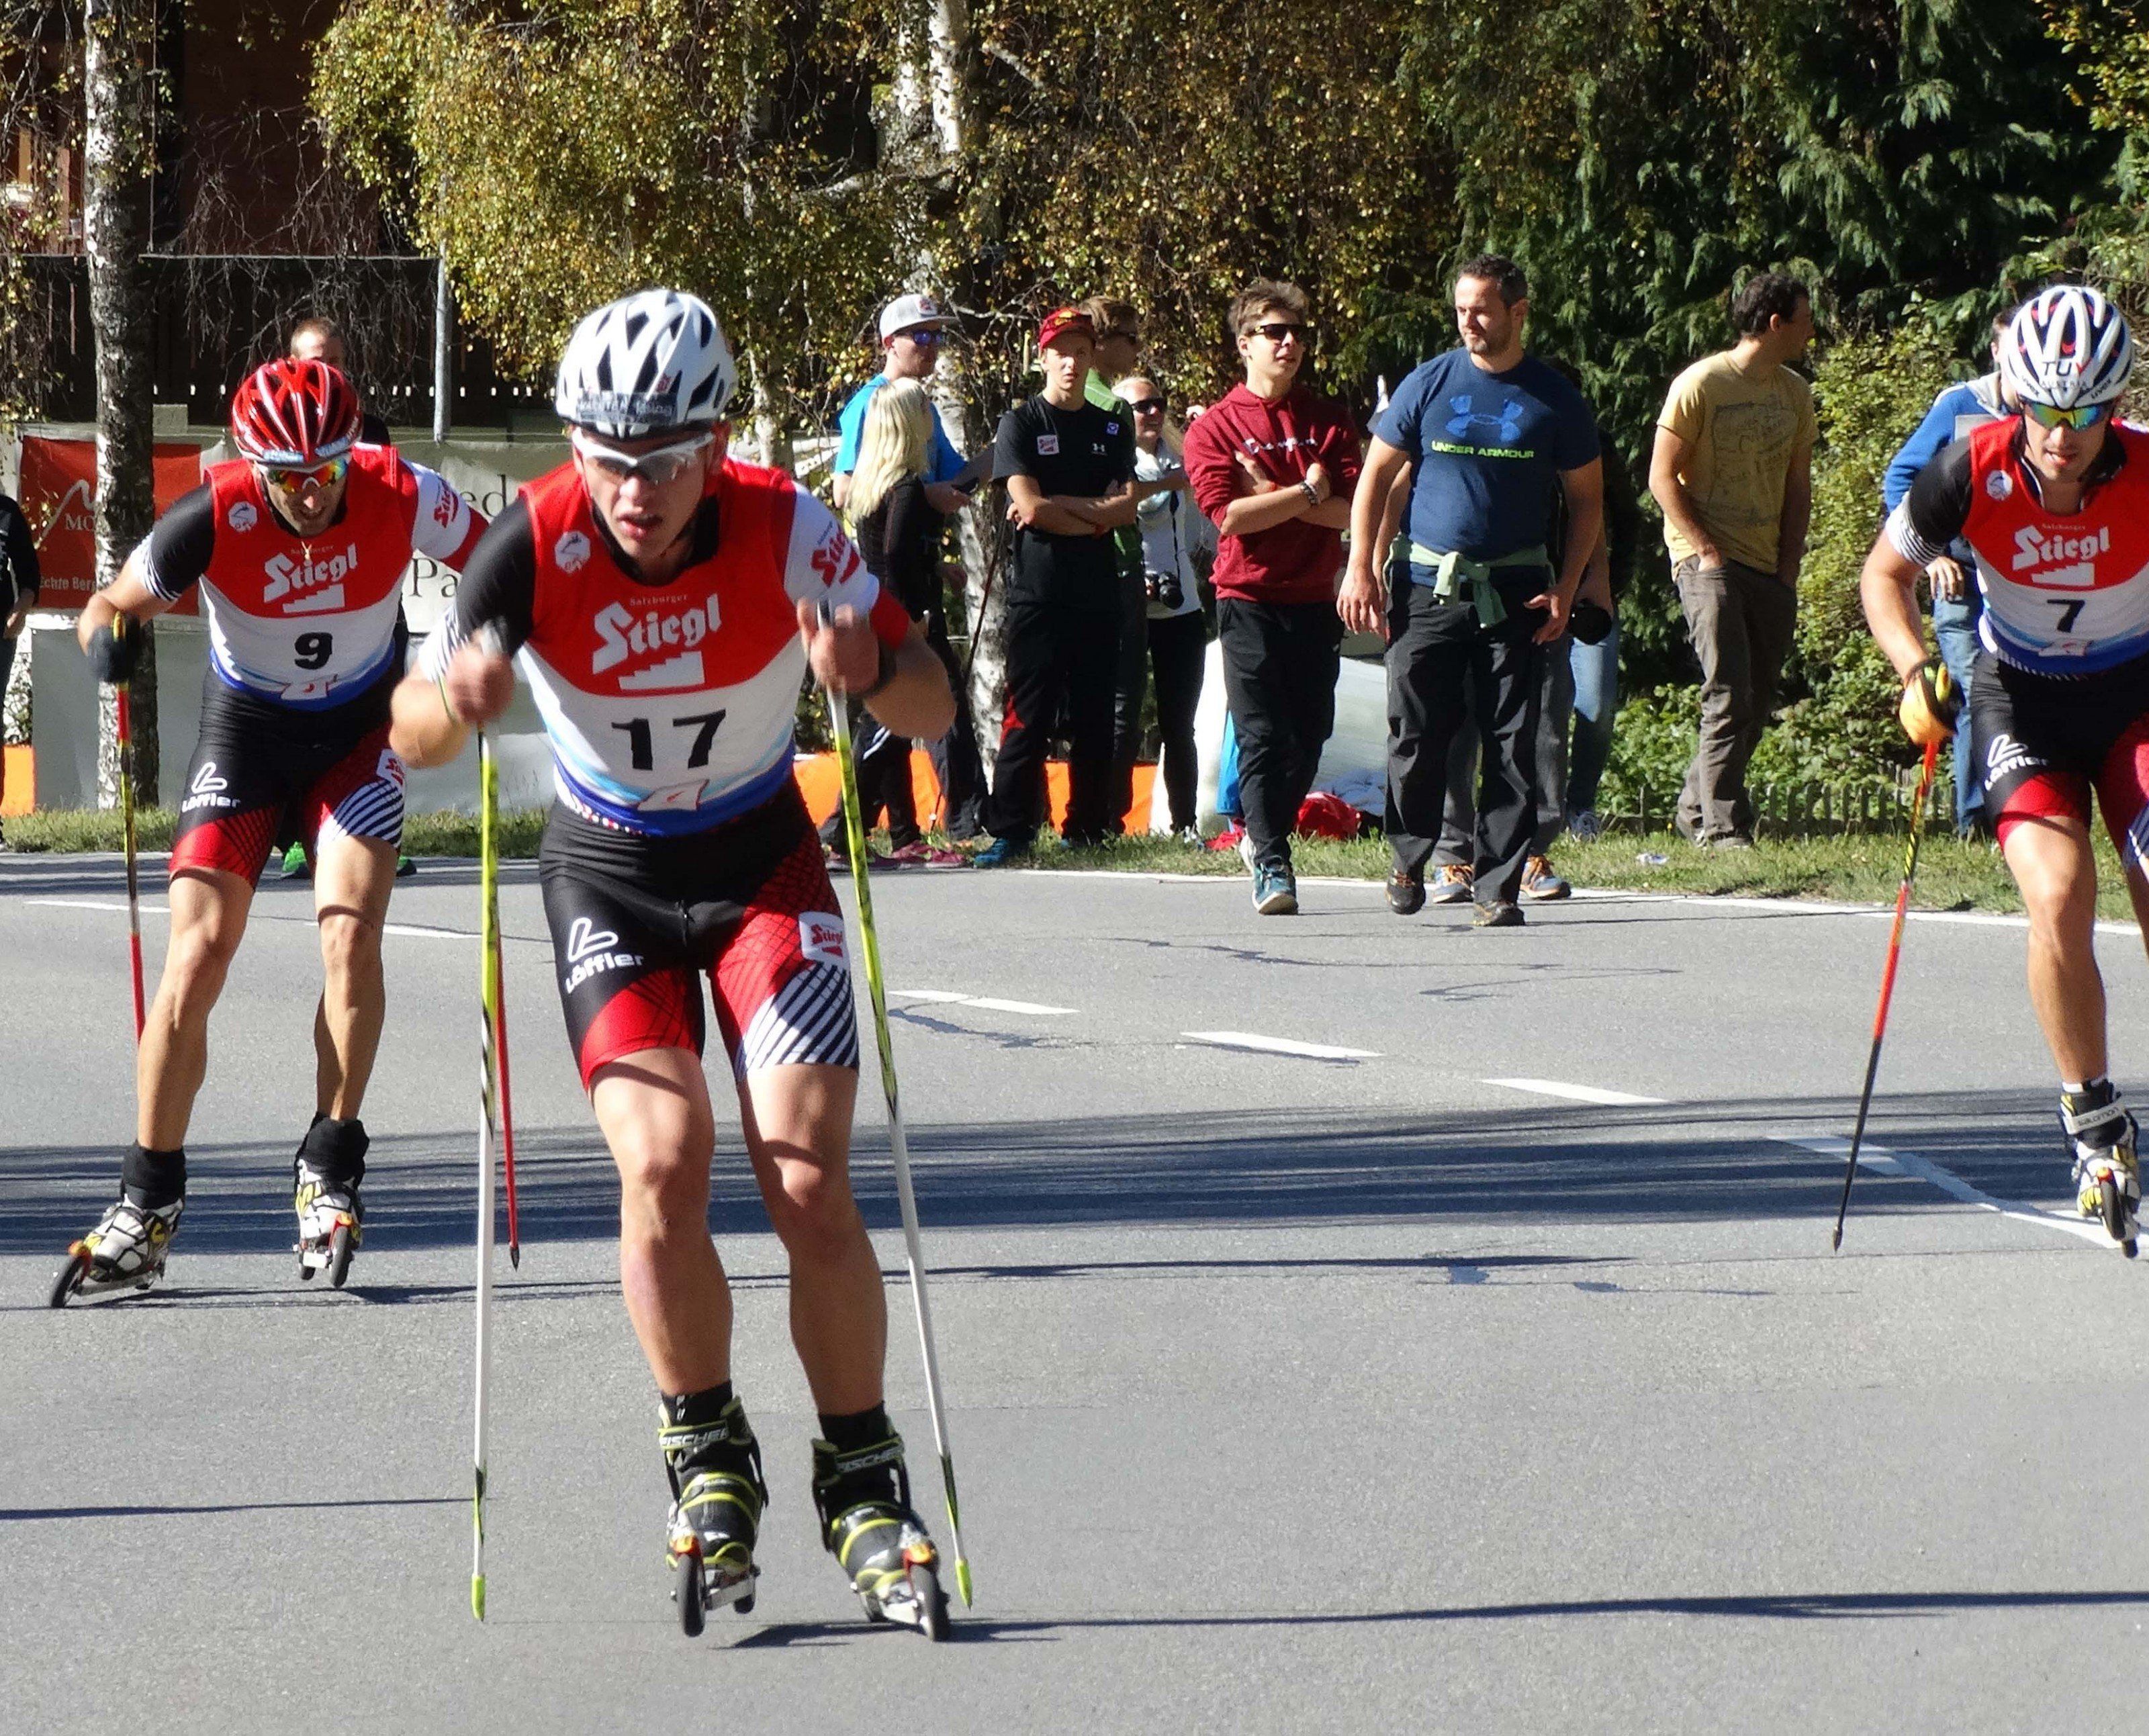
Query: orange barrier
22	780
822	786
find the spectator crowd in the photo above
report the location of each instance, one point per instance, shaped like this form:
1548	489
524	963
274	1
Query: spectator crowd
1481	532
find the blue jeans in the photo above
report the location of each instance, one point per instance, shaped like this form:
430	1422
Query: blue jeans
1955	625
1596	709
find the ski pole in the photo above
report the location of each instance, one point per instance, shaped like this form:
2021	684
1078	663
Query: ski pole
496	982
488	984
869	944
1887	982
124	730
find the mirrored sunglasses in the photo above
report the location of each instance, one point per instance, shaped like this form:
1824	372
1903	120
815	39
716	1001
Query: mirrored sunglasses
290	480
2051	416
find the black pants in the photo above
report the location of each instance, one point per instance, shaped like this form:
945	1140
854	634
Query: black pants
1129	681
956	762
1458	826
1056	657
883	761
1280	667
1443	666
1178	646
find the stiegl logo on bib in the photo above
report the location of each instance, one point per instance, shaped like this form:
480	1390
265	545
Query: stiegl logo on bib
621	635
287	578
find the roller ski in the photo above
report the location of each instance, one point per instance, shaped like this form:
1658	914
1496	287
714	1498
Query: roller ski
867	1523
325	1174
126	1251
2101	1138
718	1495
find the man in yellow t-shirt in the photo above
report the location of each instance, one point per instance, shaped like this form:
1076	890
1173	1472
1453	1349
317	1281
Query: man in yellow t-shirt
1732	470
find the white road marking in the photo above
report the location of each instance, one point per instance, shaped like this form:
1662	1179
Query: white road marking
1909	1163
991	1004
408	931
94	904
1280	1045
1578	1094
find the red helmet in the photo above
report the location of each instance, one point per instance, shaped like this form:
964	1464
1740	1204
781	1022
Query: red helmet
298	414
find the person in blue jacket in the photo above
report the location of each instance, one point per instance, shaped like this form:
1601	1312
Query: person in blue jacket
1956	605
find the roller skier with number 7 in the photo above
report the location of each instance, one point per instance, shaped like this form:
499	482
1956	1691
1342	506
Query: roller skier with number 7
298	546
2054	503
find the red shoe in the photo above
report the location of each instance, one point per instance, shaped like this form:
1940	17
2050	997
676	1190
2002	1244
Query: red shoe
918	853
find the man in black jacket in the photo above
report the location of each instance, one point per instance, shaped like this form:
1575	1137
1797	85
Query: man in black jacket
19	580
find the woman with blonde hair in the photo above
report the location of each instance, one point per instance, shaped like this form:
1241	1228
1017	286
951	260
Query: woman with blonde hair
1175	534
899	532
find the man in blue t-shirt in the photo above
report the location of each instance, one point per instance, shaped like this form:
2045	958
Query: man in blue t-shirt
913	328
1488	432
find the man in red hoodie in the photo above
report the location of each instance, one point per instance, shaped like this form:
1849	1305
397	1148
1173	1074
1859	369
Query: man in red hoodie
1274	466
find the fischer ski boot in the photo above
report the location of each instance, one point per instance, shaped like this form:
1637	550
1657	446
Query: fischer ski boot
326	1174
717	1495
862	1495
2101	1138
128	1249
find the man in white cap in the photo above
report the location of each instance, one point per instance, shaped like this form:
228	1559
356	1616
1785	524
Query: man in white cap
912	330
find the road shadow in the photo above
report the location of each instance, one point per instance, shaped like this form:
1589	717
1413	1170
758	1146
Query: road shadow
19	1515
1533	1165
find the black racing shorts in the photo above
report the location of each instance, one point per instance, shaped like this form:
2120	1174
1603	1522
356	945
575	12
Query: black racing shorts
2042	744
262	773
636	920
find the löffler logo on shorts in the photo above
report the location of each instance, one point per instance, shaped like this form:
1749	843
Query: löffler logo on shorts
207	790
821	936
2006	755
590	954
623	636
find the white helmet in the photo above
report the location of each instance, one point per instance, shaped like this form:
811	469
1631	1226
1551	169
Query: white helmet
2067	346
646	363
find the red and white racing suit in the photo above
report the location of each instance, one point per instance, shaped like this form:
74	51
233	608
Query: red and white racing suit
680	843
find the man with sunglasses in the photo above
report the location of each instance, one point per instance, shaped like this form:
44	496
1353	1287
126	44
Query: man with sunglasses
299	546
664	600
2054	504
1273	465
912	331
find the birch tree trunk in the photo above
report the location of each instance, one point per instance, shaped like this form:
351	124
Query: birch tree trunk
116	161
931	97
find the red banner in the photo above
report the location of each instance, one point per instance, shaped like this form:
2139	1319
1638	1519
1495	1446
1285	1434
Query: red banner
59	499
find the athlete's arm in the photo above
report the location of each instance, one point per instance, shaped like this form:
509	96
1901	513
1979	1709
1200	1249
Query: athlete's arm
905	686
447	527
458	683
1917	533
163	565
1665	458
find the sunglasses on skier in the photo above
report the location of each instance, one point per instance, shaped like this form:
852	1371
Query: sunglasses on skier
2051	416
289	479
664	465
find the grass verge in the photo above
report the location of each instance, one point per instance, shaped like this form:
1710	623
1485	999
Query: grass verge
1952	875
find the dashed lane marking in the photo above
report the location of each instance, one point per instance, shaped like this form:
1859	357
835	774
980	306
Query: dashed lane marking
991	1004
1576	1094
409	931
1279	1045
1884	1161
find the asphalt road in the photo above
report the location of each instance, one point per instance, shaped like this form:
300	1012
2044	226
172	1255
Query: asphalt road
1289	1391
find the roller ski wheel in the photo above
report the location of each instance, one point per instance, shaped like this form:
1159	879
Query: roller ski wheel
867	1523
127	1251
2102	1136
718	1495
324	1178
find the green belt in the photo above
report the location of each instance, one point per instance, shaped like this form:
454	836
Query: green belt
1451	572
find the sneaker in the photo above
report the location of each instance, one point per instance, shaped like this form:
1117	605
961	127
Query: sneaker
1540	883
1247	854
1585	825
1190	836
405	867
1276	891
918	853
1407	891
1724	841
295	865
1002	852
839	861
1497	915
1453	885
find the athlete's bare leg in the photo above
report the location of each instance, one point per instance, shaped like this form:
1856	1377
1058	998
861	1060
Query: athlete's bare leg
352	879
798	1122
2055	868
208	908
653	1107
